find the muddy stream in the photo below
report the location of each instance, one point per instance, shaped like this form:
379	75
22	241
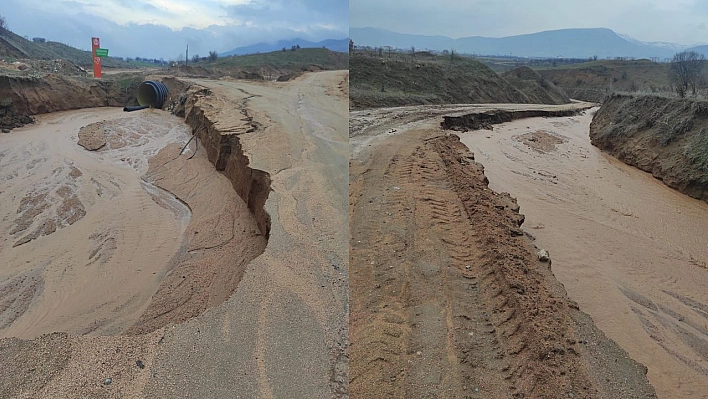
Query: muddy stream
85	240
632	252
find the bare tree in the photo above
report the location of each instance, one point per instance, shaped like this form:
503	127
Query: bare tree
685	71
3	24
213	55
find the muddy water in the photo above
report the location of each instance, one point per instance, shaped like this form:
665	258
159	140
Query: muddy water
632	252
84	241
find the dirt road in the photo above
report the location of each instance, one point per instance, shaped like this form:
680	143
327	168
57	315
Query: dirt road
283	333
632	252
448	298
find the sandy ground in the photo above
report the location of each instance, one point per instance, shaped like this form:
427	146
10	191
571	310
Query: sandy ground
85	241
447	296
631	251
283	333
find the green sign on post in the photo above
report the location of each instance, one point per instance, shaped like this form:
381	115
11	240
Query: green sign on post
101	52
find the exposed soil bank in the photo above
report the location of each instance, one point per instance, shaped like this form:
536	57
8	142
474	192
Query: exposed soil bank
448	295
663	136
21	97
484	120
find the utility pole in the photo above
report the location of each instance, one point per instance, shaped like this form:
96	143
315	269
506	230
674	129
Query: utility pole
186	56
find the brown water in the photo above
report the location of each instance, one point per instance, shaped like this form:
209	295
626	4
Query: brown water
84	241
631	251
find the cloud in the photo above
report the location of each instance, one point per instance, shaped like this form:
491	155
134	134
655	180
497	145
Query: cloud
163	28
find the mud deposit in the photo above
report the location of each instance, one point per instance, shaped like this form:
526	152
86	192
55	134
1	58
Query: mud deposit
632	252
90	238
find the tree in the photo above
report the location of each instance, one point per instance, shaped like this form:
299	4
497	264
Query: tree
351	46
39	40
685	71
213	55
195	58
3	24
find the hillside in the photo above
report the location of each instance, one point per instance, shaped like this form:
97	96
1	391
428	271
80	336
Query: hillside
666	137
593	81
382	81
275	64
15	47
537	89
566	43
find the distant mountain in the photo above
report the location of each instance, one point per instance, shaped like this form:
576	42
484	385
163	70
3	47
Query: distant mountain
565	43
700	49
341	45
667	45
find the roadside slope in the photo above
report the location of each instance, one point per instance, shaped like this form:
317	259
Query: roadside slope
666	137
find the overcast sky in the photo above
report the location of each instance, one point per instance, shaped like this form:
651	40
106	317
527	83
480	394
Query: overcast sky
163	28
677	21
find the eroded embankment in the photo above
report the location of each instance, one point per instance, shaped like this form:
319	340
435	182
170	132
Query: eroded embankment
666	137
21	97
484	120
225	152
219	246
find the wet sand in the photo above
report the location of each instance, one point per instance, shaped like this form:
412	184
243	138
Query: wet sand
85	242
632	252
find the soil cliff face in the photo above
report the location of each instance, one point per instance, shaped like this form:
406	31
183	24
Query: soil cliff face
666	137
225	152
21	97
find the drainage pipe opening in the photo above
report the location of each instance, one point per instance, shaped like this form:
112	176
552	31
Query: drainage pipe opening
152	94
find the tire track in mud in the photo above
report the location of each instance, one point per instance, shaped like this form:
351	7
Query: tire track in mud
448	298
433	319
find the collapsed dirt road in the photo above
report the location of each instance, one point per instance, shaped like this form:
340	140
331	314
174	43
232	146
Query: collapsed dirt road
171	302
632	252
448	297
283	332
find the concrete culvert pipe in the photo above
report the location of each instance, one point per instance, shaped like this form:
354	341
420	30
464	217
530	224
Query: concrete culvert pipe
152	94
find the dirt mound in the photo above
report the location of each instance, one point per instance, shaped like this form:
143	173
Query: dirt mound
537	89
666	137
92	137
